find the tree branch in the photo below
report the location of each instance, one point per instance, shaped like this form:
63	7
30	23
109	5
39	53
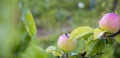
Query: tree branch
114	5
115	34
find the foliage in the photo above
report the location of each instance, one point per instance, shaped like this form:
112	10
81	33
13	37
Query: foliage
80	32
94	45
18	29
32	49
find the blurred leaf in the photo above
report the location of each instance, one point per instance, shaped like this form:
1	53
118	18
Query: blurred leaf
33	51
50	49
81	46
80	32
90	38
23	45
56	53
53	50
90	46
117	50
110	41
97	33
29	22
75	56
9	33
117	38
108	52
86	37
95	46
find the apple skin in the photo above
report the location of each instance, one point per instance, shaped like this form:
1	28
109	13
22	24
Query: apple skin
64	44
110	23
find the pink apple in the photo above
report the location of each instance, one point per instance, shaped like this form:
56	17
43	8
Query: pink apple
110	23
64	44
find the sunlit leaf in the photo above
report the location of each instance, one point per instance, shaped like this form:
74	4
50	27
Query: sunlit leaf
50	49
53	50
90	38
86	37
80	32
98	33
29	22
56	53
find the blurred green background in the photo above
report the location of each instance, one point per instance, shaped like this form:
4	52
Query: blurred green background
52	18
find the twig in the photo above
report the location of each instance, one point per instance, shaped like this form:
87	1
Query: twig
114	5
115	34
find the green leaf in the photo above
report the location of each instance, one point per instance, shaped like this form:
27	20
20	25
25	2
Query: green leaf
110	41
90	46
117	38
76	56
50	49
95	46
80	32
56	53
98	33
109	51
33	51
23	45
86	37
29	22
53	50
81	45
